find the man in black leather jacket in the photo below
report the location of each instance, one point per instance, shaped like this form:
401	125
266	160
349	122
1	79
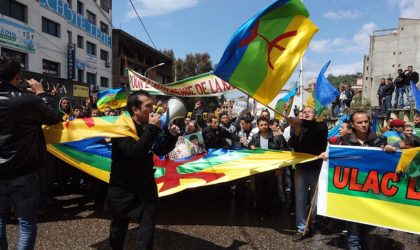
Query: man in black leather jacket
266	183
215	136
22	150
362	136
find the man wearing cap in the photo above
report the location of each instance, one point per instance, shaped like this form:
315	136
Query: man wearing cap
395	133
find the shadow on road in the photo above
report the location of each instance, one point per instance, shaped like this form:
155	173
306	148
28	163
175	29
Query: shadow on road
171	240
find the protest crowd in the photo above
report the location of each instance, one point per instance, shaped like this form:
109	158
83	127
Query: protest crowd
202	130
397	93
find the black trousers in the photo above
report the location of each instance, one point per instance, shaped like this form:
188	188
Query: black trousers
266	191
147	221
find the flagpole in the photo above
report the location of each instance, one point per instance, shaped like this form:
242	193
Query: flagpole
275	111
301	83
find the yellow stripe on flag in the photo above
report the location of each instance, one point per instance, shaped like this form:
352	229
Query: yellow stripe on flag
79	129
407	157
285	61
375	212
242	167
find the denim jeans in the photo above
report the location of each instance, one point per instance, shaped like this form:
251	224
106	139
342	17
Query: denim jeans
408	95
388	106
356	234
305	177
399	97
23	192
335	109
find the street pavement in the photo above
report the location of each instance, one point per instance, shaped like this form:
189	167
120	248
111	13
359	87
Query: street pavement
202	218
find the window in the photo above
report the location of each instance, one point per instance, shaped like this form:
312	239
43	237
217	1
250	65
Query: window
50	27
80	8
91	17
13	9
80	75
15	55
104	82
104	55
91	79
70	3
104	27
80	42
105	5
70	36
91	48
50	68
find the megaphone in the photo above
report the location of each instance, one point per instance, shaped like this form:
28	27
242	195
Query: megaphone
176	109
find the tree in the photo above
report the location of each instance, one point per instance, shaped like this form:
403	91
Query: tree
193	65
169	53
344	79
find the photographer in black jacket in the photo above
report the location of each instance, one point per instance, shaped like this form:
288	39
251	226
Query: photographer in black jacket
22	150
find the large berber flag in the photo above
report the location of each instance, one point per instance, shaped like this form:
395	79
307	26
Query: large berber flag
264	52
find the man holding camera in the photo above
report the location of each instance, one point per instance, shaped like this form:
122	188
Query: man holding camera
22	150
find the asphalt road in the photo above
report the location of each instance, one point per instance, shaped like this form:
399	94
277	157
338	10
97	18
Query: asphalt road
203	218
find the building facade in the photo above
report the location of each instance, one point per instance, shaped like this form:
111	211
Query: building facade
389	51
67	41
130	51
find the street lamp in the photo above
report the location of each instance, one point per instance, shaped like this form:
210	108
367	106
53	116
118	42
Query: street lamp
147	70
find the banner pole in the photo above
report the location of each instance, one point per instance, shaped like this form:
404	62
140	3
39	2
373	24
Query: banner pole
310	210
275	111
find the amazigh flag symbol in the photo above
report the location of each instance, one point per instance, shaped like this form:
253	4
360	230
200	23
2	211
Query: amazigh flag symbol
114	98
264	52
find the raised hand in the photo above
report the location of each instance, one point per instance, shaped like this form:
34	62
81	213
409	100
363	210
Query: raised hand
35	86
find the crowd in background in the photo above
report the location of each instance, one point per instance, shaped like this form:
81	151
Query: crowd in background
343	101
395	89
302	133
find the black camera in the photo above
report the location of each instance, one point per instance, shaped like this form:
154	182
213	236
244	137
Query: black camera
24	85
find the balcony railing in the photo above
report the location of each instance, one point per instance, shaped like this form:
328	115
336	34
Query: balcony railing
385	32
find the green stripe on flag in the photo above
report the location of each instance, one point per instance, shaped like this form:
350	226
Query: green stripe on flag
399	197
93	160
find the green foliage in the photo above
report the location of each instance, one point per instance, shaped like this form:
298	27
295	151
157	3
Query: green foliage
192	65
343	79
169	53
360	103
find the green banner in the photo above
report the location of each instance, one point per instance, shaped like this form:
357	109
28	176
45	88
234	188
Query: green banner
203	85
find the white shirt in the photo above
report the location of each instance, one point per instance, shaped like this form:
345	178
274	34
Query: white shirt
263	142
286	134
